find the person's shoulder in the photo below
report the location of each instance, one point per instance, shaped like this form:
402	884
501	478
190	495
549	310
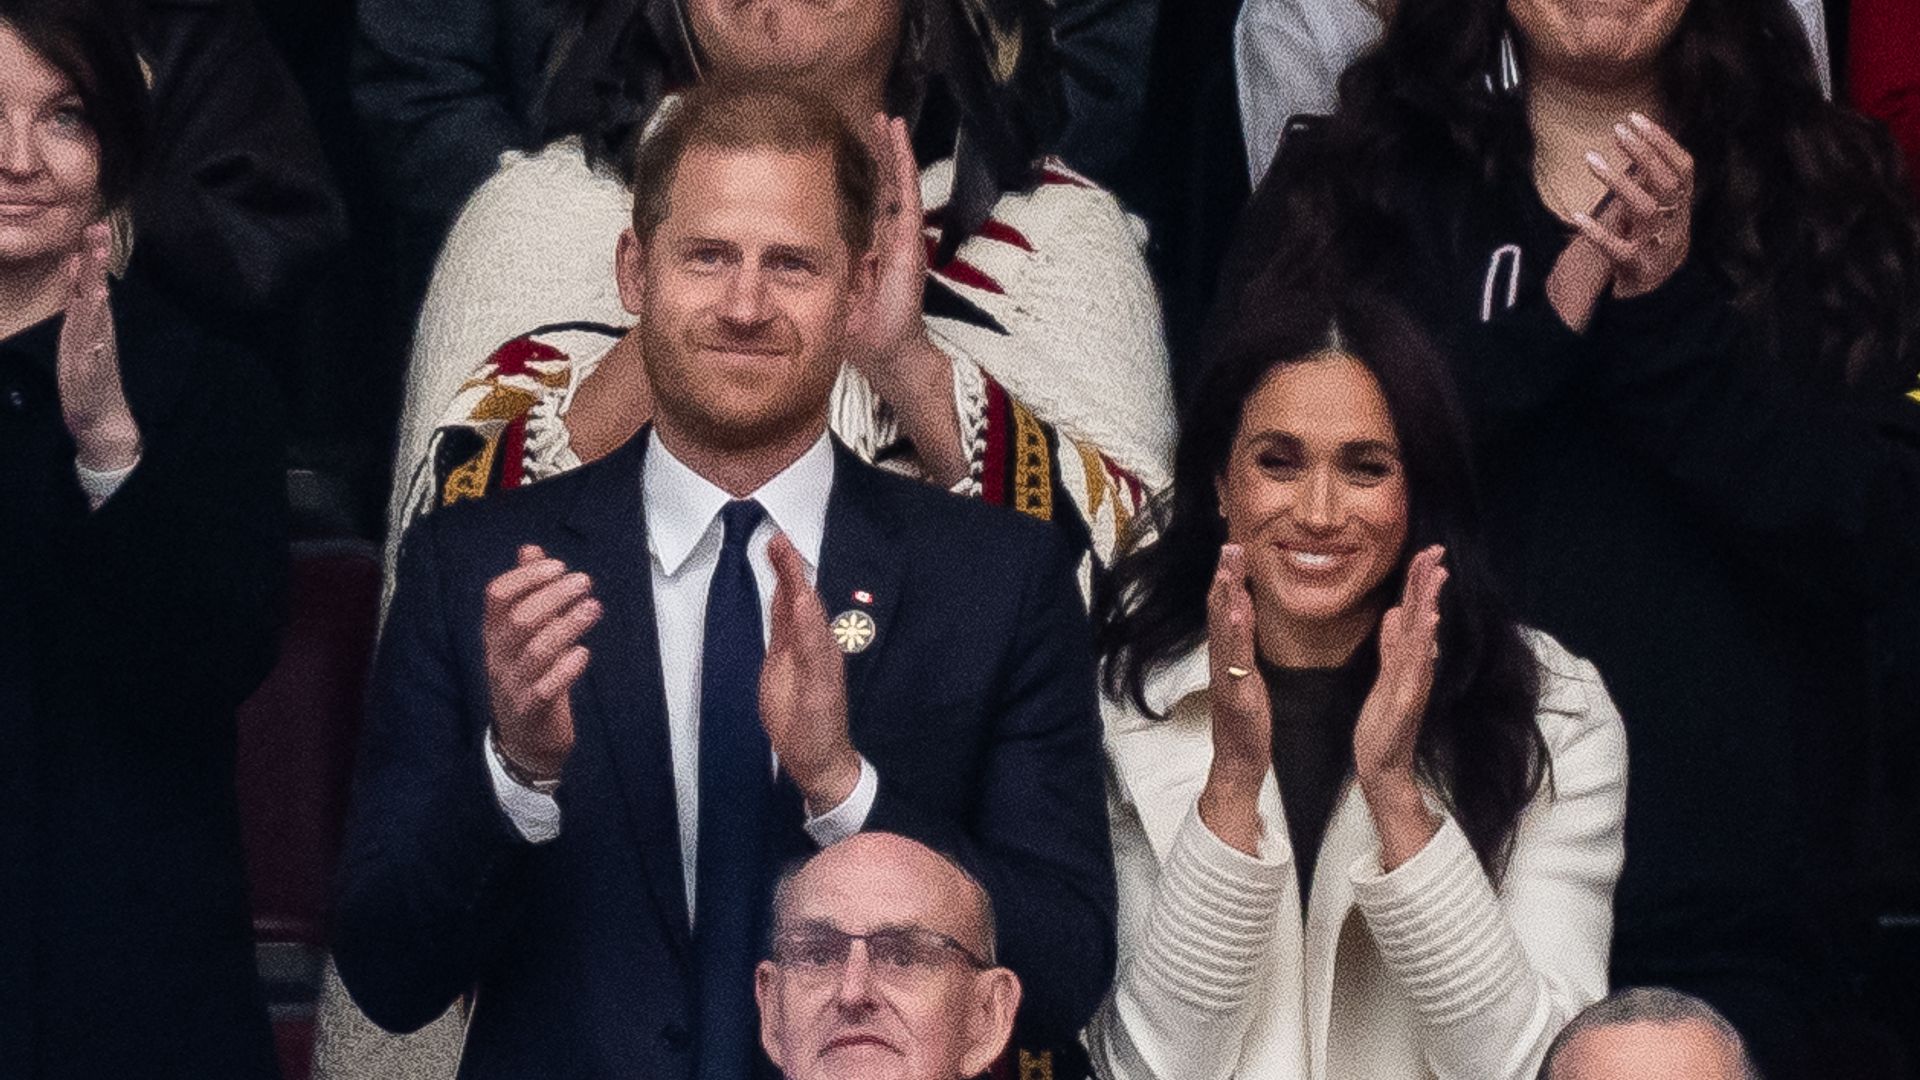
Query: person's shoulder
517	515
1573	701
531	174
966	531
532	191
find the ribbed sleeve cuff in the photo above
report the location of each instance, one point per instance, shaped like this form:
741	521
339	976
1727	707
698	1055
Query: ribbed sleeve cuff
1214	917
1440	929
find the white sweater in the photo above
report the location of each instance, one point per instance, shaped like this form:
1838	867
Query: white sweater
1427	971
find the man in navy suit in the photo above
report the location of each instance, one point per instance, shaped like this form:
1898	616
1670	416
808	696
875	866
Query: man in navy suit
608	707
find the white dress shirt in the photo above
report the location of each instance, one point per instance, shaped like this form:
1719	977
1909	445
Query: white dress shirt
684	536
100	485
1289	54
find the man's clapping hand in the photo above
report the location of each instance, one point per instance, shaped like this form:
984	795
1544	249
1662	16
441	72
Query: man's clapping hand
536	614
803	688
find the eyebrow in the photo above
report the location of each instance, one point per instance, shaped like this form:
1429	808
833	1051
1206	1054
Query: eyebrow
1352	447
797	251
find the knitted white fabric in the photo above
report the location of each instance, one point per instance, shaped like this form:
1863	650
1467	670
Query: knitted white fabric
1085	349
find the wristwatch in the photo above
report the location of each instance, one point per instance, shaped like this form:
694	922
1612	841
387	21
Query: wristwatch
514	771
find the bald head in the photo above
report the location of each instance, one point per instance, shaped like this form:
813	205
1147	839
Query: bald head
882	968
882	873
1648	1034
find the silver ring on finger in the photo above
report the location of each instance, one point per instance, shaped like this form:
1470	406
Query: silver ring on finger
1235	671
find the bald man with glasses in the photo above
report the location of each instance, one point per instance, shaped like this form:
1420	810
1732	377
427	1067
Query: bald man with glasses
883	968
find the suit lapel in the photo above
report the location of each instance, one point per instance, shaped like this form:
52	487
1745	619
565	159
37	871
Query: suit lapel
860	568
629	706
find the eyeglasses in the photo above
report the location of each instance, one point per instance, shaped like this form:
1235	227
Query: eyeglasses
896	953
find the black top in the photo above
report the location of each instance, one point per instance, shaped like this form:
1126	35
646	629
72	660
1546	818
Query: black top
1314	712
127	637
1712	530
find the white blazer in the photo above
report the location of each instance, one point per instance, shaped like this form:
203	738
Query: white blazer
1428	971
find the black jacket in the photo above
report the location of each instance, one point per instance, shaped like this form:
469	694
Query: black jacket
127	637
237	213
975	703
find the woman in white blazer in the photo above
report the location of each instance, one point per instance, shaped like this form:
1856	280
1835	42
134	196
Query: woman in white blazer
1313	689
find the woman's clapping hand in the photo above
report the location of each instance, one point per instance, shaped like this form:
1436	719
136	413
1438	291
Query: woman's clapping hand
1387	735
93	401
1242	715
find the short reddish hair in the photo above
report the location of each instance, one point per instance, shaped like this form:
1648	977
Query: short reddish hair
743	117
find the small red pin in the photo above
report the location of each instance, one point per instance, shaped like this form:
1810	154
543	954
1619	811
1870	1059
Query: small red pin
862	596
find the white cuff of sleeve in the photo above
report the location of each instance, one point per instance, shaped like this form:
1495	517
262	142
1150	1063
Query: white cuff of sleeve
850	816
535	815
100	486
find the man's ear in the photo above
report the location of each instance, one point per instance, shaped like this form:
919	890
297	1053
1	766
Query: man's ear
766	992
990	1019
630	270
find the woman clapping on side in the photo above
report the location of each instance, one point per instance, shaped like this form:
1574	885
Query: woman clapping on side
1365	825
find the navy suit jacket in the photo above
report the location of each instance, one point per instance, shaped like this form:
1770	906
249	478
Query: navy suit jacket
976	704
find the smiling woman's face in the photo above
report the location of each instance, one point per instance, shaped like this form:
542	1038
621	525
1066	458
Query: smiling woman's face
49	158
1315	490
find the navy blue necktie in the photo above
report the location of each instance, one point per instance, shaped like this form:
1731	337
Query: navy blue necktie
736	789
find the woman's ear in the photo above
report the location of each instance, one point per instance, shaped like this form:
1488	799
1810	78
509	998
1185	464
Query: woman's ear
630	270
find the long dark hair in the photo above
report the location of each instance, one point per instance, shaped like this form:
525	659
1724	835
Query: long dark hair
1803	211
1480	745
92	44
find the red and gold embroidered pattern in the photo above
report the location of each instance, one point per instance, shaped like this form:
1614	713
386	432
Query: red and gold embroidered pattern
1032	466
469	479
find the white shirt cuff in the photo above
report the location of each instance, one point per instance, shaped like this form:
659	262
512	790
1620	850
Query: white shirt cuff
851	815
535	816
100	486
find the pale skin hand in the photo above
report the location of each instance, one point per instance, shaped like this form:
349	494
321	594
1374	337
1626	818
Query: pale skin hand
535	616
1242	714
803	687
1634	246
888	340
1657	201
1388	731
93	402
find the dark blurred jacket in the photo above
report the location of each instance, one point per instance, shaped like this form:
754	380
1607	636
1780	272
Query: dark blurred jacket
127	636
239	213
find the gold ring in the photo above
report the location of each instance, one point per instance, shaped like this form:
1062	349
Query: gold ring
1237	672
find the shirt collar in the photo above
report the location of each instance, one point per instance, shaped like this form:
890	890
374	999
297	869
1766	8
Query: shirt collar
681	505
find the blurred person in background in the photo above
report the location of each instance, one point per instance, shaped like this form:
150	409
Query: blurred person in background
1289	56
142	561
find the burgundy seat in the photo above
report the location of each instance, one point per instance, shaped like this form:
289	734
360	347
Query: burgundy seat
296	745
